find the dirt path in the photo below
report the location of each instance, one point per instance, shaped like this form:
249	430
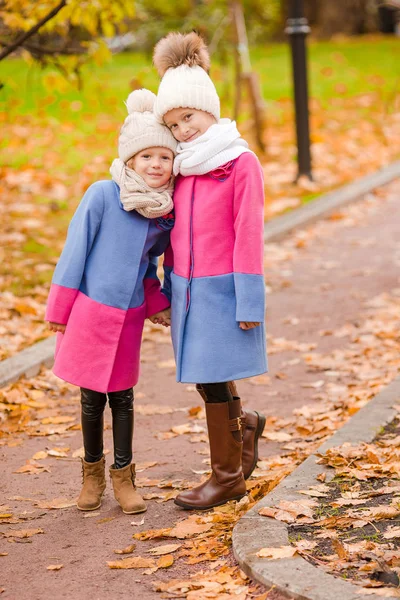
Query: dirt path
319	280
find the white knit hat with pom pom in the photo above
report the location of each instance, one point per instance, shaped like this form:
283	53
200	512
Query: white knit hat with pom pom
141	129
182	60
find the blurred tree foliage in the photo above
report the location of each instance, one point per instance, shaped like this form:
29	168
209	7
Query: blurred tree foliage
210	18
63	33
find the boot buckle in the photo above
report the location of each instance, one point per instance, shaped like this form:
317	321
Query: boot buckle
235	424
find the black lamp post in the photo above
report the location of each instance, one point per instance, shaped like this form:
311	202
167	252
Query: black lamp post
297	28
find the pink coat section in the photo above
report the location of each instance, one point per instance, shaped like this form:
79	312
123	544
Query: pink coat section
227	221
100	349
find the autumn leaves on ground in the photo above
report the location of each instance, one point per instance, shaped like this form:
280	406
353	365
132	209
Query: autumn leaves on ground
333	322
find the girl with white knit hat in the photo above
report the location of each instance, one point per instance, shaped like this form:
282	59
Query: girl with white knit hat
105	285
218	295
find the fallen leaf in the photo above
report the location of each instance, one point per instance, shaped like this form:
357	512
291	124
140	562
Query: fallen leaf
392	532
134	562
189	527
138	523
277	553
315	385
57	503
277	436
39	455
145	465
22	533
105	520
80	453
32	469
165	549
127	550
165	561
54	567
57	420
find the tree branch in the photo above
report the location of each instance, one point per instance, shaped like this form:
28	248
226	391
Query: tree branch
19	41
47	50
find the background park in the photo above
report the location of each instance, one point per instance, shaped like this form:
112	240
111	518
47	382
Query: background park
333	316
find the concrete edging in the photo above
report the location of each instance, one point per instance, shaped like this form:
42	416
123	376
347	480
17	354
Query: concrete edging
29	361
296	577
326	204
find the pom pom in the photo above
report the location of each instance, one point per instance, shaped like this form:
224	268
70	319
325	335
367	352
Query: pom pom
177	49
140	101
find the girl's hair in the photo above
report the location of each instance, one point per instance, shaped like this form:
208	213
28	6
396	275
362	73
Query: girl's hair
178	49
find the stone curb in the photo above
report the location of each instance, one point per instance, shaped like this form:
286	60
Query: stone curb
326	204
296	577
29	361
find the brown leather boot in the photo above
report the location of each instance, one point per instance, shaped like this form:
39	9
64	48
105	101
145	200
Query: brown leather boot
125	493
253	424
226	481
94	484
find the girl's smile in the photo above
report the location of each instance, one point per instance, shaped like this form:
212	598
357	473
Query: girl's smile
187	124
154	165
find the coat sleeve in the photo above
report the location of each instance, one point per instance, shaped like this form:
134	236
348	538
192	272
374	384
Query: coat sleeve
248	253
70	268
156	297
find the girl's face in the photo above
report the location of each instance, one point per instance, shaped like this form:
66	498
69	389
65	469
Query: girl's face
187	124
154	165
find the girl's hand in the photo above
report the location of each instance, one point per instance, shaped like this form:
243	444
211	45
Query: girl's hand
57	327
248	325
163	317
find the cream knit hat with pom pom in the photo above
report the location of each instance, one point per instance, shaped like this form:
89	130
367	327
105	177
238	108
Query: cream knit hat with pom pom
182	60
141	129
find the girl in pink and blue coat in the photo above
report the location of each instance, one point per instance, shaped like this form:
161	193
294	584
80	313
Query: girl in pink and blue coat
218	291
105	285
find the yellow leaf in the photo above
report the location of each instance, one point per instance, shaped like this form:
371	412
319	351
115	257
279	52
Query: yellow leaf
276	553
134	562
54	567
105	520
22	533
127	550
57	420
56	503
39	455
165	549
165	561
189	527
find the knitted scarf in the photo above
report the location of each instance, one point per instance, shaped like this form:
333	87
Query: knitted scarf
135	194
220	144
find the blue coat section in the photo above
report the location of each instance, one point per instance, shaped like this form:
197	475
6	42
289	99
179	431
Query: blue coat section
209	345
109	252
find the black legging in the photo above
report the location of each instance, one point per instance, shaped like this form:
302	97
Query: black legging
92	416
216	392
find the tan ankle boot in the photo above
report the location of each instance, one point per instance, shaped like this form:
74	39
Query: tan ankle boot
226	481
125	493
94	484
253	424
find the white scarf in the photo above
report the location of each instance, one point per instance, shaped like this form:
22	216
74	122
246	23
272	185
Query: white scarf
217	146
136	195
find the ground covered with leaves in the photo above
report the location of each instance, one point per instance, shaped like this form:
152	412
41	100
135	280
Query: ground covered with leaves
325	364
350	526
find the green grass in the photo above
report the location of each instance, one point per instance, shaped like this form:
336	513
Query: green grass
336	68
